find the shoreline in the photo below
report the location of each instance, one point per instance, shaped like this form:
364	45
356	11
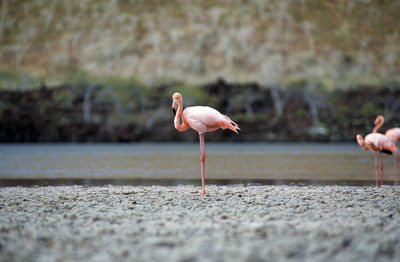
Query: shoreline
173	223
123	181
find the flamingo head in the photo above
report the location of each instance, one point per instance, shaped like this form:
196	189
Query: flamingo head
361	142
175	98
378	119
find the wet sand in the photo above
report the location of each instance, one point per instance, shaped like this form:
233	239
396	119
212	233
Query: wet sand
173	223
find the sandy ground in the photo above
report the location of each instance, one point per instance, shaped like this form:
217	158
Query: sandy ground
173	223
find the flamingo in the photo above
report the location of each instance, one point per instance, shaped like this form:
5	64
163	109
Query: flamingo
377	143
393	134
202	119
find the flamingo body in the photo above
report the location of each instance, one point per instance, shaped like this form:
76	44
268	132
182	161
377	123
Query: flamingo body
377	142
202	119
206	119
394	135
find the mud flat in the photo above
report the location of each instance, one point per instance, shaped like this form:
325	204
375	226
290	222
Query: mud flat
173	223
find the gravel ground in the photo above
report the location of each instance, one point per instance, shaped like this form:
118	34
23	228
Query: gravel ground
173	223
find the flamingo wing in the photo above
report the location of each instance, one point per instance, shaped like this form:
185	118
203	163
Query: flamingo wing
202	118
205	119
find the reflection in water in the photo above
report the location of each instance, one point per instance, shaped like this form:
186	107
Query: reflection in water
179	163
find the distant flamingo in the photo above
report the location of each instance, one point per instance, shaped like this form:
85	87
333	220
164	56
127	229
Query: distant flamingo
377	143
202	119
393	134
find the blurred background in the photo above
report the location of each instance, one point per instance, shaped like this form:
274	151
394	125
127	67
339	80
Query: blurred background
105	71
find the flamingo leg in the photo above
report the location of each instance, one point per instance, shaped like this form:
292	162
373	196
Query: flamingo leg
376	170
380	158
202	160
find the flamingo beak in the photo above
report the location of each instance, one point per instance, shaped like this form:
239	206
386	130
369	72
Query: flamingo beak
174	106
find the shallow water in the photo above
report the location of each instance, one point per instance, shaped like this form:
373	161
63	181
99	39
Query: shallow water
285	162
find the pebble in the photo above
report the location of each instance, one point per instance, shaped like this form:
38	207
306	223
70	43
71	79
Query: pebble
173	223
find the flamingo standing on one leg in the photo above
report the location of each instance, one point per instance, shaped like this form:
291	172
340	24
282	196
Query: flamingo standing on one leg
377	143
202	119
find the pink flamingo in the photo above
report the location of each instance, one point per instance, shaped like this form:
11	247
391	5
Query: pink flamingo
202	119
393	134
377	143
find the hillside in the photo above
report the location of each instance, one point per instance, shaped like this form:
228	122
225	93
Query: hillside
336	43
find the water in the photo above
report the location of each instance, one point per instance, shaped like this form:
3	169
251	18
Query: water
179	163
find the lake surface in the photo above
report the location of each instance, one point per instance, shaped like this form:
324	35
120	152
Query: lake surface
179	163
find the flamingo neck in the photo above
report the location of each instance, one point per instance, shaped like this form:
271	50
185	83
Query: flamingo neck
177	121
379	122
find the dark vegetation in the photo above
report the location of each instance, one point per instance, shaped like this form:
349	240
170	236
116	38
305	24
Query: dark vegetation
85	112
88	71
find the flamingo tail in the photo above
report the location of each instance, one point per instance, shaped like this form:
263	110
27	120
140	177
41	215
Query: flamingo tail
386	152
389	148
228	123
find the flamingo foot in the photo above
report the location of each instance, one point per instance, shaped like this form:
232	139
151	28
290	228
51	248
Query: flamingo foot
203	194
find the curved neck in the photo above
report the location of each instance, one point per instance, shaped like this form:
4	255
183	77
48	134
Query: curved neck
177	120
378	123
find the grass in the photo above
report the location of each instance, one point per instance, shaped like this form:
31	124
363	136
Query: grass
12	79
